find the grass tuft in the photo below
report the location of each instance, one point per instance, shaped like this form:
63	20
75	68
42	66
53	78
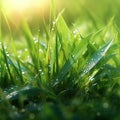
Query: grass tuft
63	72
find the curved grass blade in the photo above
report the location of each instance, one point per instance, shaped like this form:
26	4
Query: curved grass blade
75	55
96	57
28	92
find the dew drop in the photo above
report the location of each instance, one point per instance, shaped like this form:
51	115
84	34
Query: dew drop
20	52
57	79
5	92
40	50
11	95
75	32
43	44
72	56
6	67
98	113
35	40
11	88
26	49
52	29
5	47
40	70
23	72
105	105
13	107
19	56
91	78
84	71
92	59
53	22
42	73
7	54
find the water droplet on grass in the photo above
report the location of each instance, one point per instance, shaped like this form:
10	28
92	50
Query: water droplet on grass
35	40
53	28
75	32
91	78
11	88
26	49
40	50
57	79
98	113
5	47
105	105
96	57
5	91
7	54
54	22
13	107
11	94
43	44
23	72
19	56
6	67
42	73
72	56
40	70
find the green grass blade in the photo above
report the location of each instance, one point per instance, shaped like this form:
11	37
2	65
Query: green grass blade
6	62
33	49
57	53
63	28
28	92
52	12
29	38
17	67
75	55
96	57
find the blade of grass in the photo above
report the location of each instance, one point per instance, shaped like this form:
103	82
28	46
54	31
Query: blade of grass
96	57
13	45
52	13
28	92
17	67
7	64
57	54
31	45
75	55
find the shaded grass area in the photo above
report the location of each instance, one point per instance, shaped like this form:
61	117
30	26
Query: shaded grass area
65	73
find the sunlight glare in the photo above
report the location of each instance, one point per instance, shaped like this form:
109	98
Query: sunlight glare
21	6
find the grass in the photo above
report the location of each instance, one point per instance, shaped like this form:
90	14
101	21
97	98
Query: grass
61	74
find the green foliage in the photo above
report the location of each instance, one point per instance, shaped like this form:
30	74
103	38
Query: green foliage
62	73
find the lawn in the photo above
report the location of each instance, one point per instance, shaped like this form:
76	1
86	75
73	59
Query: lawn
61	64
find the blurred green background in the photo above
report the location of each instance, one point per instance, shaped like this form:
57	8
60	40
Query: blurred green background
76	13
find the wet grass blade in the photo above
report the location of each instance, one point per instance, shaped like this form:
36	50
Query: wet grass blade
17	67
6	62
33	49
96	57
28	92
75	55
